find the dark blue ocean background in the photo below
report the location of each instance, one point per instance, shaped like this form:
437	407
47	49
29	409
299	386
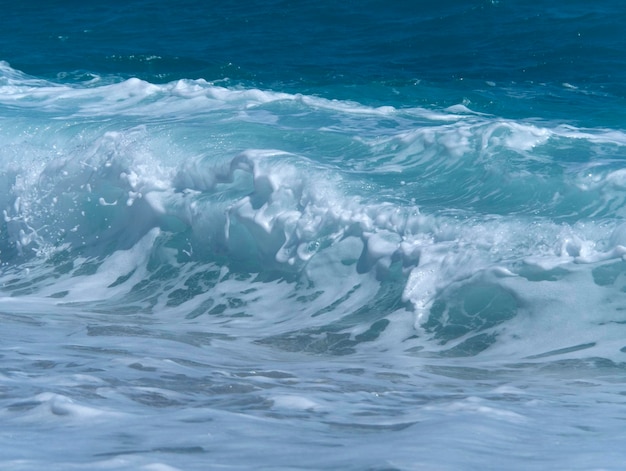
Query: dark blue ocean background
297	235
510	58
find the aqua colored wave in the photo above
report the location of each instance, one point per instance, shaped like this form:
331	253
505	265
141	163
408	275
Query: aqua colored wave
465	232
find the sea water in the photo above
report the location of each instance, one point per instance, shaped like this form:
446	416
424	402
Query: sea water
312	235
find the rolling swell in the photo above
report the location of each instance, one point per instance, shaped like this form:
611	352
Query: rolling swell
322	224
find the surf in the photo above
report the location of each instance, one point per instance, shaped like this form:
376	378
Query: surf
457	225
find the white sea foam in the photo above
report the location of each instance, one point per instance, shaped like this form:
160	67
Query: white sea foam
175	162
215	275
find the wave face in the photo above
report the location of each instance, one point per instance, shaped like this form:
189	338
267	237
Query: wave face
372	246
465	223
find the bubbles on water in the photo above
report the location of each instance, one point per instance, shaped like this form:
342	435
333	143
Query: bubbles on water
360	214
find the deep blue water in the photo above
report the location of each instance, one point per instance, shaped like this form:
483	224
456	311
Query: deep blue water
371	51
312	235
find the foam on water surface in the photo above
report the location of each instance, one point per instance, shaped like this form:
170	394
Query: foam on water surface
195	268
194	193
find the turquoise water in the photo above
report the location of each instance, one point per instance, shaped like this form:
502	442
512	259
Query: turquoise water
309	235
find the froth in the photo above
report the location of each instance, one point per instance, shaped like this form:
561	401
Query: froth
448	207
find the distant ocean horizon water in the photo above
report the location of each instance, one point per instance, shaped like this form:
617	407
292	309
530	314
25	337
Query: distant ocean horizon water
312	235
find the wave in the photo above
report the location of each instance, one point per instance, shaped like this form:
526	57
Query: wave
325	224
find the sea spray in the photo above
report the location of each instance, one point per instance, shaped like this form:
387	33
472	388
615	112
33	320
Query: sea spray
413	264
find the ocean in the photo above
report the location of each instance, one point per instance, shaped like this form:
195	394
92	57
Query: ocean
297	235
